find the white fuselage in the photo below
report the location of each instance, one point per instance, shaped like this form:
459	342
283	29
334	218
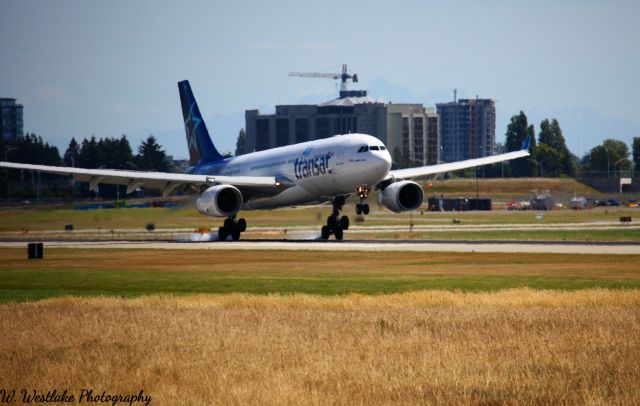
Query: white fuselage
318	170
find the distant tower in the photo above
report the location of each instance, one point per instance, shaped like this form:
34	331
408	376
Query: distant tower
467	128
11	124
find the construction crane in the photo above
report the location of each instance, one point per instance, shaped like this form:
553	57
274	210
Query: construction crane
344	76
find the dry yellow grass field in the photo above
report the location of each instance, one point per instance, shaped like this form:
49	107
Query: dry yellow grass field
515	346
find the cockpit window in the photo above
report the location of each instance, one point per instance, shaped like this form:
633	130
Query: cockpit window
363	148
374	148
382	148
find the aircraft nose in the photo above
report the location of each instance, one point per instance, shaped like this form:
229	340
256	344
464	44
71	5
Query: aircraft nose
383	162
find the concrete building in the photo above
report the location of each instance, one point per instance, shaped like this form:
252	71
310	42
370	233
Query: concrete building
467	129
410	131
11	124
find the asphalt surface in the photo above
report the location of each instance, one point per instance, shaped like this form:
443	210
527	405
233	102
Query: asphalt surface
542	247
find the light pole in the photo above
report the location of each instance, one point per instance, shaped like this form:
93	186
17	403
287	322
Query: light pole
616	163
6	153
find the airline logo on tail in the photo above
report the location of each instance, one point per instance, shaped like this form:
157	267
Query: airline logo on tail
201	148
190	125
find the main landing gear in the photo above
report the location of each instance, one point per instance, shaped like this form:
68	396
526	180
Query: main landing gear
335	225
362	207
232	228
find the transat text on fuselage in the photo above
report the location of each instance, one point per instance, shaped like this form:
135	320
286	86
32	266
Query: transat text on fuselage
308	165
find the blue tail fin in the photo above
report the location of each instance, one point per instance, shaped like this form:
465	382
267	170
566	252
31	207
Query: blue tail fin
526	143
201	149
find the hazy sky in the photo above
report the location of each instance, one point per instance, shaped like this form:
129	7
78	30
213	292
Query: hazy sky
111	67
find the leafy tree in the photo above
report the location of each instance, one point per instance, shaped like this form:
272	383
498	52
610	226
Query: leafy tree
72	153
551	161
30	149
609	157
636	153
576	165
108	152
89	156
517	132
152	157
241	144
115	153
125	155
555	158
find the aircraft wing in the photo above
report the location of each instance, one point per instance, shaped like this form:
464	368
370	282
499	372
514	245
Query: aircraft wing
454	166
167	182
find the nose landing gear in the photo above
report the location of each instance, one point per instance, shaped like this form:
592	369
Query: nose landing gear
362	207
335	225
232	228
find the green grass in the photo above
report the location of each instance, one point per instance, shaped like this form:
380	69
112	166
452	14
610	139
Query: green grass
183	217
136	272
617	235
559	216
23	285
188	217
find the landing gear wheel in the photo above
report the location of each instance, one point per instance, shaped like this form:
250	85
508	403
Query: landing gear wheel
335	224
365	208
338	233
344	222
222	234
232	228
242	225
235	234
229	224
358	209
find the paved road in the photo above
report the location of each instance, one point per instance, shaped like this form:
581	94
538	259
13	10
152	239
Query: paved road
541	247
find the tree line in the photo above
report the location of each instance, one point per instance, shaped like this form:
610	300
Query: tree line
90	153
550	156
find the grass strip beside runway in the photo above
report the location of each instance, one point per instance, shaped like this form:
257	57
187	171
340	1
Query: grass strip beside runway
131	273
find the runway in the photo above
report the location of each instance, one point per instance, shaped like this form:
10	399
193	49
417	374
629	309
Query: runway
541	247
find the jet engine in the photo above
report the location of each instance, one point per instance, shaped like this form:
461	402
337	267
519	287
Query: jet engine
219	201
401	196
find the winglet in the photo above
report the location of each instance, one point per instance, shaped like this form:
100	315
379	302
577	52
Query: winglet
526	143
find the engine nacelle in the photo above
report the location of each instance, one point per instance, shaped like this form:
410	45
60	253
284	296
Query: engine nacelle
219	201
401	196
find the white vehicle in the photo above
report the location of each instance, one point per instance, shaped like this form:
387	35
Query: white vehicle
308	173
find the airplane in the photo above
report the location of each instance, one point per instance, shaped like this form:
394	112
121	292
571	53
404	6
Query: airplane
308	173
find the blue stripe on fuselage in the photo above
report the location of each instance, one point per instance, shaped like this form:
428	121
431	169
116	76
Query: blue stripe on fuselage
211	168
